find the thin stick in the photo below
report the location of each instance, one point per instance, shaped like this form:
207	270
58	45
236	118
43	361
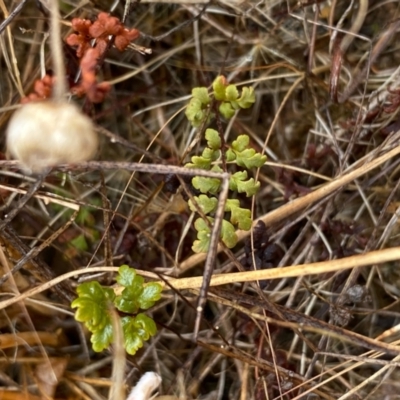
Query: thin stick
24	199
12	15
60	86
212	253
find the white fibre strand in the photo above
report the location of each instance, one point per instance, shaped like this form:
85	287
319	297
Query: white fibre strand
144	388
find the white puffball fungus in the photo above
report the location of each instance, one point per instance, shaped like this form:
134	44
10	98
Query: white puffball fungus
47	133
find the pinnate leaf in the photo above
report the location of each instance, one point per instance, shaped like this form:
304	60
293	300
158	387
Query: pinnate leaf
93	309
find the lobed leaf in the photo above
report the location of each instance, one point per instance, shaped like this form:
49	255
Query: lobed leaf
250	159
231	203
137	330
247	99
241	217
230	155
202	244
196	113
228	234
236	178
102	338
92	305
206	185
201	94
206	204
219	86
150	294
238	183
210	154
241	143
136	294
250	187
199	162
231	93
213	139
226	110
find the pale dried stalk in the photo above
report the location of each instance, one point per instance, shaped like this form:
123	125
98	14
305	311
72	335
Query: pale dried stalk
60	86
373	258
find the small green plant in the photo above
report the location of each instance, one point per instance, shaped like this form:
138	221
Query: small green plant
93	309
226	99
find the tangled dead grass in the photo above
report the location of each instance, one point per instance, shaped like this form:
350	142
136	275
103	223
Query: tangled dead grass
326	77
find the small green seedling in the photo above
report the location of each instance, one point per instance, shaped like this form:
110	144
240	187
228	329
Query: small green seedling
239	153
95	301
